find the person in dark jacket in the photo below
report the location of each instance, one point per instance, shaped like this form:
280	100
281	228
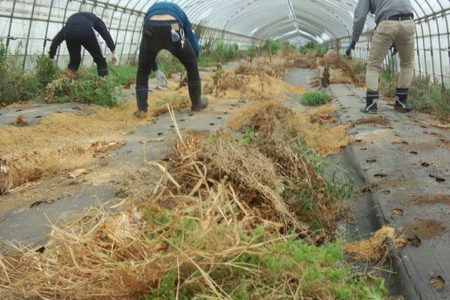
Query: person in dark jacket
79	31
166	26
395	26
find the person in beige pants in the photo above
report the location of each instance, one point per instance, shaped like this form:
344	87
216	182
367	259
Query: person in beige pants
395	26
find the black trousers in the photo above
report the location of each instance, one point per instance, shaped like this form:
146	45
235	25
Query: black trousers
77	36
155	37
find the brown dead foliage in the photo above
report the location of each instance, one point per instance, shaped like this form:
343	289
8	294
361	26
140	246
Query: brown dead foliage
260	116
342	70
5	177
317	127
20	121
104	146
270	174
61	142
258	81
273	69
376	247
122	255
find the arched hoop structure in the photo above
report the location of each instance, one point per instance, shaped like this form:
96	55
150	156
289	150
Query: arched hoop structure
27	26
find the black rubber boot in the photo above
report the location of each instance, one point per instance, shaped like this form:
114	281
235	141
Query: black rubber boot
401	103
141	98
371	102
103	71
195	93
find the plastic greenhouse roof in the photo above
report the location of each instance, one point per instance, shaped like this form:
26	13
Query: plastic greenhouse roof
320	20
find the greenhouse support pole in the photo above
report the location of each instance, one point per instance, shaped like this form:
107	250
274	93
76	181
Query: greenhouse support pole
8	38
28	35
46	38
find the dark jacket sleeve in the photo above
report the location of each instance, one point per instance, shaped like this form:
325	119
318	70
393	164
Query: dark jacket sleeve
100	27
361	11
57	40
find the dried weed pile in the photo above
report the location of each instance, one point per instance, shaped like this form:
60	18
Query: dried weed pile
275	67
69	141
317	127
376	247
259	80
61	142
343	70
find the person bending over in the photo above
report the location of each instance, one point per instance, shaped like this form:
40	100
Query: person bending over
79	31
166	26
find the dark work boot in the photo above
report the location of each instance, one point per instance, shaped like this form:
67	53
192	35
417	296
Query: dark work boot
102	71
141	98
371	102
195	93
401	104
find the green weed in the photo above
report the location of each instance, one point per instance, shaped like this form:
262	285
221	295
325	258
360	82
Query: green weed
430	97
287	268
123	75
87	88
15	83
313	48
337	179
272	47
315	98
249	135
45	70
224	52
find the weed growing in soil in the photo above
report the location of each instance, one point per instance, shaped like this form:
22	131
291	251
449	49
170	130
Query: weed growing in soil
315	98
15	83
45	70
86	88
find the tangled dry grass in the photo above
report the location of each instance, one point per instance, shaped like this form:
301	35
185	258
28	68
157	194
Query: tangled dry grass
317	127
377	246
61	141
343	70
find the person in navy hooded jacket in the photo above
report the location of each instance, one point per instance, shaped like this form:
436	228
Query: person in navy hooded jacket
166	26
79	31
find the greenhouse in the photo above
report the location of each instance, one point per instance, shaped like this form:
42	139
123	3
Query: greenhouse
253	149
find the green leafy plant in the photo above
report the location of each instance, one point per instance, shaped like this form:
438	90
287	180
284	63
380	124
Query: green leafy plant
45	70
249	135
315	98
272	47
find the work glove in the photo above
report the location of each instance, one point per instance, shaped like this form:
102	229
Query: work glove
184	78
350	47
114	58
161	78
393	50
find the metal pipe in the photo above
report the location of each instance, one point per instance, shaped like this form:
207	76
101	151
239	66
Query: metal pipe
10	26
28	35
46	39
